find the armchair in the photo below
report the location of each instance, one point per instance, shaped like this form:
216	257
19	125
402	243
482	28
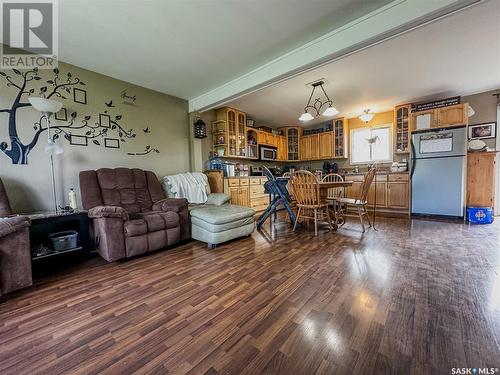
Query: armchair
130	212
15	259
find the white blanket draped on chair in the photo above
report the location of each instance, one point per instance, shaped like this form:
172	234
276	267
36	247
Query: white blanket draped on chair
192	186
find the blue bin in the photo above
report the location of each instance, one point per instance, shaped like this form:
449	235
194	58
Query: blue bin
479	215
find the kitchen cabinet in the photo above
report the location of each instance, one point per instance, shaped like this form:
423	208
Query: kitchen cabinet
392	192
229	132
481	179
309	147
381	190
305	148
247	192
398	191
292	135
453	115
402	121
281	143
340	138
443	117
354	190
266	138
314	146
325	150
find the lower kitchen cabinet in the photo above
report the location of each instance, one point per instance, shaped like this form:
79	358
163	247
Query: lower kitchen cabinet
247	192
381	190
392	191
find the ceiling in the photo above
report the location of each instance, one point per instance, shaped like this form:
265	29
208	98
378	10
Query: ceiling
188	47
457	55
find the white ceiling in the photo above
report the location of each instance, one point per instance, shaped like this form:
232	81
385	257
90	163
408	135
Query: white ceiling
188	47
457	55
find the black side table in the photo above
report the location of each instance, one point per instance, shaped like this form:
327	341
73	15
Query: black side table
45	223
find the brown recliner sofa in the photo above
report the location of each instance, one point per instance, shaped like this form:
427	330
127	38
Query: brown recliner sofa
15	258
131	213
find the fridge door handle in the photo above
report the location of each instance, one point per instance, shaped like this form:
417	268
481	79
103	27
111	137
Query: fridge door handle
413	159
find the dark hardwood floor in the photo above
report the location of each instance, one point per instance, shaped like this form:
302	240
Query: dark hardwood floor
419	297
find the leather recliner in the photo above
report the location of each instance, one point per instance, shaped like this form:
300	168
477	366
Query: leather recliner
130	212
15	257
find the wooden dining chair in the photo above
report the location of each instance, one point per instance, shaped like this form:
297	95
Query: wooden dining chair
359	203
337	192
305	187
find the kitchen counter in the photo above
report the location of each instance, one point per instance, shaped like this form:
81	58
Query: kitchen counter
378	173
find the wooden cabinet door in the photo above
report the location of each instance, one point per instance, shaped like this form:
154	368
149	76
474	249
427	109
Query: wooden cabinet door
305	148
340	138
282	147
234	193
353	190
245	196
481	179
452	115
325	145
314	153
241	140
433	118
397	195
381	194
261	138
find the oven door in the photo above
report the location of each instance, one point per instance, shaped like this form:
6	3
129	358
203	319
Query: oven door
268	153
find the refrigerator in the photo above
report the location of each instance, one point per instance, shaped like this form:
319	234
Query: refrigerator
438	172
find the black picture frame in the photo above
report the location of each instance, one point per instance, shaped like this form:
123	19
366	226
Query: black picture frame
489	130
62	115
78	140
79	96
111	142
104	120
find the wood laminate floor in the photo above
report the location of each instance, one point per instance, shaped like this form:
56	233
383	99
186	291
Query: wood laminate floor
419	297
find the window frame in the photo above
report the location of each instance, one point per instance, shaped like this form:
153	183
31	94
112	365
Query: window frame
380	126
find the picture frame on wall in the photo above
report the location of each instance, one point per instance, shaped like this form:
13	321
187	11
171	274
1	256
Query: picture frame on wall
78	140
79	96
62	115
483	131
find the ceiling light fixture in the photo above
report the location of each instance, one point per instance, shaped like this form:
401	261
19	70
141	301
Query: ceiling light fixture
367	116
315	107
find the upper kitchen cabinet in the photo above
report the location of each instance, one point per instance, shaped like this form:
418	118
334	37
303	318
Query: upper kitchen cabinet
305	148
281	143
325	149
241	140
266	138
443	117
340	138
230	126
453	115
292	135
402	121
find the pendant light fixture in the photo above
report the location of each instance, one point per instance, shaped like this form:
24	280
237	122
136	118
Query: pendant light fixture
367	116
312	110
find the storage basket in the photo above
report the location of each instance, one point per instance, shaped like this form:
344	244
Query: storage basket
64	240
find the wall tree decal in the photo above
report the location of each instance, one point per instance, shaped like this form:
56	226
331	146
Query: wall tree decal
57	86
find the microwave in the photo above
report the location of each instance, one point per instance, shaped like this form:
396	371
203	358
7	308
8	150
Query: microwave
268	153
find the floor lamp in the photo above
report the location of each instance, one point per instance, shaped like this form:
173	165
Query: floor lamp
48	107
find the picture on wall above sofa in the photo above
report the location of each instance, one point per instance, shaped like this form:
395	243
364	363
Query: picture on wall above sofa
77	130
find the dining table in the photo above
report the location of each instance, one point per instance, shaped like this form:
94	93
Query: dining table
324	187
279	195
